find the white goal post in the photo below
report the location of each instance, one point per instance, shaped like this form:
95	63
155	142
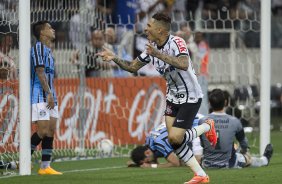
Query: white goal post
265	74
25	106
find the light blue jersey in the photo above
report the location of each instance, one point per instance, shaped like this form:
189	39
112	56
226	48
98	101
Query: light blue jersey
157	140
41	56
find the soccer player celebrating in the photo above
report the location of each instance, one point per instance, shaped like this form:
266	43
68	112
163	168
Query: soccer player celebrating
169	55
43	95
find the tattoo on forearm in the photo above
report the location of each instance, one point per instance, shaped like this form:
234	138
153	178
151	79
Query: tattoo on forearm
124	64
174	61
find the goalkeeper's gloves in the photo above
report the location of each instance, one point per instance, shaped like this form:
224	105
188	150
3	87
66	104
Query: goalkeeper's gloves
244	150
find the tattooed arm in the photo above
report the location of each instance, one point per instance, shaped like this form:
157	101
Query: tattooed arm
133	66
180	62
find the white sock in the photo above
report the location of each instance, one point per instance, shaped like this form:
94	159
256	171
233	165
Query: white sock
195	166
203	128
195	132
45	164
258	162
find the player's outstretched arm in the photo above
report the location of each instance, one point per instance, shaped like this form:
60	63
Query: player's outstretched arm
130	66
180	62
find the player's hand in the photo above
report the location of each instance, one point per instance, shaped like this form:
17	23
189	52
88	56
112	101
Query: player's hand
131	164
244	151
106	54
151	50
75	57
145	165
50	100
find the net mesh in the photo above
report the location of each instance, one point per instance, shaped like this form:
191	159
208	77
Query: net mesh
98	101
9	133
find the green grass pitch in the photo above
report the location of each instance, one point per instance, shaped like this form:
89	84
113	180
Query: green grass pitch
114	171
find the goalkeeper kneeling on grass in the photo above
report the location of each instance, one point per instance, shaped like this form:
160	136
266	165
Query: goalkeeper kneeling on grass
228	128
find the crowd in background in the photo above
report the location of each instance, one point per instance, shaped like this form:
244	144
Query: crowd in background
132	14
120	25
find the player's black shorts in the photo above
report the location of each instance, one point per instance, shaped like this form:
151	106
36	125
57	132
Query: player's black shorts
184	113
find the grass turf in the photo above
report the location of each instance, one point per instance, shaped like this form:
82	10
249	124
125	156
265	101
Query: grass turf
114	171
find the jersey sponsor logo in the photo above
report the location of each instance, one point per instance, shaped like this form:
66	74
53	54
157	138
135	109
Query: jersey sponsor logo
179	95
49	70
179	120
181	45
42	113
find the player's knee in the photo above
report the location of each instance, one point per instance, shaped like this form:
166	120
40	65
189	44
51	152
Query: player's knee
175	140
51	132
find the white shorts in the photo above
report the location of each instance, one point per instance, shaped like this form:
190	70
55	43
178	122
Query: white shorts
40	112
241	161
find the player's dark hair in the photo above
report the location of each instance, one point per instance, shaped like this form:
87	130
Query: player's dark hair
163	18
138	154
217	99
38	27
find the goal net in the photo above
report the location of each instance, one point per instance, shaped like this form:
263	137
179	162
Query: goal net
9	137
98	101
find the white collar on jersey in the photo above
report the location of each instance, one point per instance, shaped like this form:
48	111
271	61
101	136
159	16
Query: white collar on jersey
218	113
162	46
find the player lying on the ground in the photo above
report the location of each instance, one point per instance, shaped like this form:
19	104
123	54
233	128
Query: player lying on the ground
156	146
228	128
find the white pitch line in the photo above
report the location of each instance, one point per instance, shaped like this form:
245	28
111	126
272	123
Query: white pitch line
72	171
93	169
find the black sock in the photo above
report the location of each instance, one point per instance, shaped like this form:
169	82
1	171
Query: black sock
47	148
35	140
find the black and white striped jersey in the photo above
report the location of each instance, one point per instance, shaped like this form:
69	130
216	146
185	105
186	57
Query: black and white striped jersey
182	86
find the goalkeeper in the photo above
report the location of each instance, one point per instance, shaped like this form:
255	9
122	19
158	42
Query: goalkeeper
224	155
